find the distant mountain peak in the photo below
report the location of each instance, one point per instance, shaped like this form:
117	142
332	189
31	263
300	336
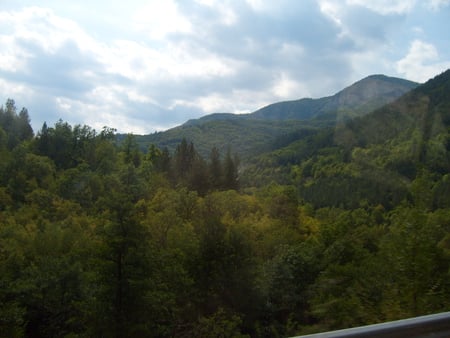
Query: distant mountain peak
378	76
357	99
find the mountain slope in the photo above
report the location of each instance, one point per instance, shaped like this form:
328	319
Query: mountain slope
363	96
424	110
279	124
242	136
377	158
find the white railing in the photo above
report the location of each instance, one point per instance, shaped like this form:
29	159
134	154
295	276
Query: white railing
431	326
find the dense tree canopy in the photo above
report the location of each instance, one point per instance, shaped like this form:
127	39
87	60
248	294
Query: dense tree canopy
100	239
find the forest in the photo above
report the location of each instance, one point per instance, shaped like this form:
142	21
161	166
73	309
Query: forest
342	227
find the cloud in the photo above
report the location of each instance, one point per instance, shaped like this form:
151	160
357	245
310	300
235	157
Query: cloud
149	65
197	63
366	23
160	18
422	62
437	4
386	7
43	49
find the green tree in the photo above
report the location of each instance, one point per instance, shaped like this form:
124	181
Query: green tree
130	149
348	288
24	130
288	279
415	267
221	325
230	172
16	126
42	264
198	176
183	159
215	169
124	269
224	270
59	143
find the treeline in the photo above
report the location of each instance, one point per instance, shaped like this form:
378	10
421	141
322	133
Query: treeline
98	239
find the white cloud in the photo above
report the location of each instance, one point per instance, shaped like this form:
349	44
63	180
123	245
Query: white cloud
257	5
226	13
45	29
334	8
422	62
142	63
361	22
12	58
287	88
103	106
331	9
437	4
386	6
238	101
14	89
146	64
139	64
160	18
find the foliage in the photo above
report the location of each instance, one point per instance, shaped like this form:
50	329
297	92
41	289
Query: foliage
342	227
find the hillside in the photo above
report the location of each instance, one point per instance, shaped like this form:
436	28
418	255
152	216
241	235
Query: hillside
358	99
280	123
244	137
374	158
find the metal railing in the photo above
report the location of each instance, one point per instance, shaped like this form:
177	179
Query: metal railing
431	326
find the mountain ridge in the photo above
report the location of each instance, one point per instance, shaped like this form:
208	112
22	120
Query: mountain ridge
248	134
387	149
368	93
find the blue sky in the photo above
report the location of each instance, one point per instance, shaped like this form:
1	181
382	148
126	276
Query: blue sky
142	66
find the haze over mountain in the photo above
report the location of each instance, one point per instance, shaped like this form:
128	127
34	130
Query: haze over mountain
358	99
248	134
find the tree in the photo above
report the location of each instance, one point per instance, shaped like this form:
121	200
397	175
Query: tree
16	126
183	160
42	141
25	132
198	176
289	276
215	169
43	269
130	149
220	324
414	264
61	145
124	264
230	172
224	270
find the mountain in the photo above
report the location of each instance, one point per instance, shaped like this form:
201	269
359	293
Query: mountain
212	117
377	158
280	123
242	136
363	96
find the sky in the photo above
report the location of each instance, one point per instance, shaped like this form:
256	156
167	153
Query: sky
145	66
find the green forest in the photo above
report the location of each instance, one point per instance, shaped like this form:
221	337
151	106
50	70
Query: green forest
341	226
